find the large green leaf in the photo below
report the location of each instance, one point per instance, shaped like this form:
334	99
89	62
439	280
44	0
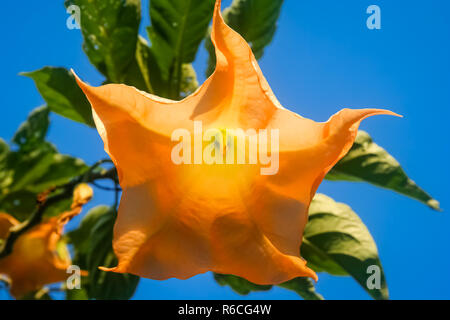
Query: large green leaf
33	131
145	72
4	149
61	169
255	20
28	174
80	237
176	31
34	167
5	176
107	285
338	242
110	31
138	72
77	294
20	204
42	168
189	81
93	248
37	165
304	287
368	162
238	284
62	94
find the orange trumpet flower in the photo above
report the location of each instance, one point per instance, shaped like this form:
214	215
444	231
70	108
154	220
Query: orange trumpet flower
34	261
181	218
38	257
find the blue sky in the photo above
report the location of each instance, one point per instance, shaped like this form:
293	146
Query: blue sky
323	58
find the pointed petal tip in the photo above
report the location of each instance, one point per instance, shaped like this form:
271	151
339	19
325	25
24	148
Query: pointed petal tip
434	204
87	89
107	269
117	269
312	275
391	113
77	79
372	112
218	6
358	115
217	18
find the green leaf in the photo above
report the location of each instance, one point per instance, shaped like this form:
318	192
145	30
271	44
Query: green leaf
110	30
368	162
145	73
42	168
189	81
19	204
255	20
26	174
33	131
62	94
35	167
238	284
336	236
80	237
138	72
77	294
61	169
27	167
304	287
319	261
93	248
5	176
4	149
107	285
57	208
178	27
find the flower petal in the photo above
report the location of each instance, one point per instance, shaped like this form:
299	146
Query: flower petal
183	237
6	222
181	220
308	149
34	261
247	101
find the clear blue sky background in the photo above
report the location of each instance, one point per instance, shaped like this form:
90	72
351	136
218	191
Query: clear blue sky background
323	58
